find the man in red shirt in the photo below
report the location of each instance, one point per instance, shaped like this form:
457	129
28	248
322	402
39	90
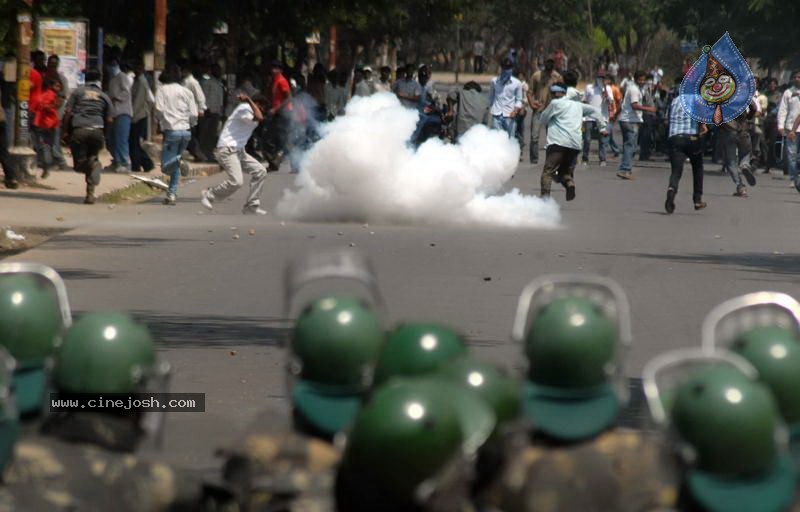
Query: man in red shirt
279	117
35	77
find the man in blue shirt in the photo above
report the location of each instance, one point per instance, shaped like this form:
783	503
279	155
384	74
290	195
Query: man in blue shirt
685	141
505	99
563	118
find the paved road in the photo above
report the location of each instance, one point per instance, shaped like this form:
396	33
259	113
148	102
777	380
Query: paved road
214	302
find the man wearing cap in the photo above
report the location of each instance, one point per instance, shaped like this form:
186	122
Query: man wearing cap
505	99
563	119
596	95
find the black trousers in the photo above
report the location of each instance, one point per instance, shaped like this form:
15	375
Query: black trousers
681	148
86	144
207	133
139	157
5	160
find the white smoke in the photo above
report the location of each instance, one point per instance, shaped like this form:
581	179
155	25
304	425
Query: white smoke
364	170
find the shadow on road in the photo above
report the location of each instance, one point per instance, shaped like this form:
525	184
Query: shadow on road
780	264
209	331
78	274
105	241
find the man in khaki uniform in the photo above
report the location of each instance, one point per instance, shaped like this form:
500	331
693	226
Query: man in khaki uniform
538	98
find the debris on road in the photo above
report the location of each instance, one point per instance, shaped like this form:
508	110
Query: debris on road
236	236
14	236
252	232
233	352
433	245
717	236
487	278
60	219
352	244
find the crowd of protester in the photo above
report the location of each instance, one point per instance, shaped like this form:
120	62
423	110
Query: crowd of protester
636	105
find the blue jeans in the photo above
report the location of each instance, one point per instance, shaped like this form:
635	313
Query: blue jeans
120	132
588	128
507	124
611	142
175	143
630	132
793	158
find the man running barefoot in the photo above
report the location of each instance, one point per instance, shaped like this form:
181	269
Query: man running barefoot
231	155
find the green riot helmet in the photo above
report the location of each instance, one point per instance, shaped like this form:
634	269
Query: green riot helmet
764	328
417	349
9	416
405	441
334	345
725	425
574	330
33	313
775	353
335	340
498	390
105	353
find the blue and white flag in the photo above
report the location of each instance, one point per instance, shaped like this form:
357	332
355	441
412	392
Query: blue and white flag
719	86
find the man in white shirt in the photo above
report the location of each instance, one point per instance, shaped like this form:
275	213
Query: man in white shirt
788	111
233	158
177	114
630	119
563	118
191	83
597	96
505	99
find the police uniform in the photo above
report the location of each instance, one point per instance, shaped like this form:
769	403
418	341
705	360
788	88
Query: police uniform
49	475
620	470
274	467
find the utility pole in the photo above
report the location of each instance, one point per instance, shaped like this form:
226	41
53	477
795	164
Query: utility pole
22	135
332	48
459	18
160	35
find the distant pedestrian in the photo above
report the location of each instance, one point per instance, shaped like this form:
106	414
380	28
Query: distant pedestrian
86	117
360	85
505	99
232	157
190	82
35	78
9	177
143	102
477	56
614	101
119	90
685	141
737	150
596	95
176	109
45	122
563	118
53	63
208	125
788	111
539	94
630	119
279	118
316	88
384	83
335	94
407	89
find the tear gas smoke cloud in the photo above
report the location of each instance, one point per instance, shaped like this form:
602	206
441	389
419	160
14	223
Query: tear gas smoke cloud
364	170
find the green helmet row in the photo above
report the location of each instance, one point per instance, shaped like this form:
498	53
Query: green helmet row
726	427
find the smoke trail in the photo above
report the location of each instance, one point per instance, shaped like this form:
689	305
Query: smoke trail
364	170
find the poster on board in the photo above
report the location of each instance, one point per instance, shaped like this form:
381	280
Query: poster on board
67	39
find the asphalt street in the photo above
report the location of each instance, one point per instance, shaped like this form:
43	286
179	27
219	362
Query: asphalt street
214	301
